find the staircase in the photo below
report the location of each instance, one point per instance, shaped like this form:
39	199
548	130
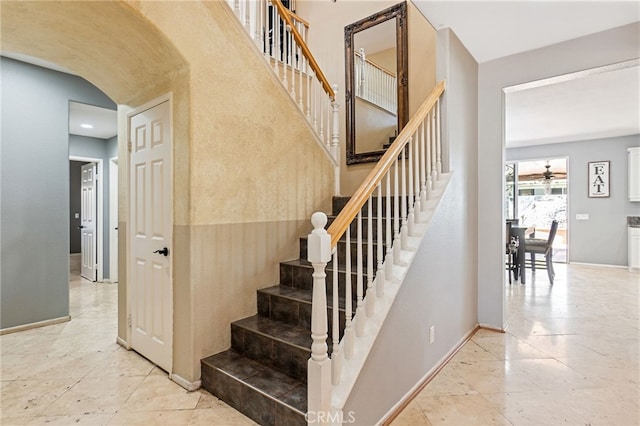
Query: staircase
264	374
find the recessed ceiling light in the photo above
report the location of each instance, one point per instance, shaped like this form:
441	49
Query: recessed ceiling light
86	126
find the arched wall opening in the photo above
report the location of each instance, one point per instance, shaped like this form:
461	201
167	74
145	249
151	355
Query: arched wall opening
113	46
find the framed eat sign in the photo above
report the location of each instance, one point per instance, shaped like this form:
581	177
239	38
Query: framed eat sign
598	179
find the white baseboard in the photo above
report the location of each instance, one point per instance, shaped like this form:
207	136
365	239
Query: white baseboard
599	265
417	388
190	386
492	327
38	324
123	343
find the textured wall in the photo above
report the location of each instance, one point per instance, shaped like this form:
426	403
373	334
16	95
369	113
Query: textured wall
256	174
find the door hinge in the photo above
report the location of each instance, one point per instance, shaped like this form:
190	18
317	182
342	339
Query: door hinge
129	320
129	146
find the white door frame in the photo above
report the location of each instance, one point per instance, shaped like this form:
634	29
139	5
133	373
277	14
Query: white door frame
99	207
131	213
113	218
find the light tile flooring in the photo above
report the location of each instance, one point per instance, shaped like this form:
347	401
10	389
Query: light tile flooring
75	373
570	356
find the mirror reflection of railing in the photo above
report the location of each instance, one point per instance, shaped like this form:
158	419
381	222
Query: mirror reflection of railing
374	84
372	120
281	35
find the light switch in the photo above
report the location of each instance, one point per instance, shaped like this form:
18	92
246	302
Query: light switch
582	216
77	215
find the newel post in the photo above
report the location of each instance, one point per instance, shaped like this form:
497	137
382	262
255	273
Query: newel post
319	365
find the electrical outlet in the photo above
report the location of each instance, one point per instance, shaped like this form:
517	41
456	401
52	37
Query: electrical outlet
432	334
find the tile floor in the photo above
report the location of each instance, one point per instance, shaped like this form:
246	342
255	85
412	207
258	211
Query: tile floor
75	373
570	356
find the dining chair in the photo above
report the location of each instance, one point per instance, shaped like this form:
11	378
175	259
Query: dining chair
535	246
511	250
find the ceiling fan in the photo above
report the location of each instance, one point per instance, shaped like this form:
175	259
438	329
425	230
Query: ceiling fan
546	176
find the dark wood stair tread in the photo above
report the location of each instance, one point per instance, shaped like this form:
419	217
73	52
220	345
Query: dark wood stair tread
262	378
299	295
302	263
278	330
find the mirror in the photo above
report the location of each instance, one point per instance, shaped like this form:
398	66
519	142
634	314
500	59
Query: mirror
376	83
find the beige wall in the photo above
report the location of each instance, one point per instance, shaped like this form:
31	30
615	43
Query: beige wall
374	126
326	41
387	59
245	183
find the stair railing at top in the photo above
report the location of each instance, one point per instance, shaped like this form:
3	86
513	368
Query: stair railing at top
281	36
375	84
403	180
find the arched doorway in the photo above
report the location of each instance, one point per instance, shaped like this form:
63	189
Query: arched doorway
111	45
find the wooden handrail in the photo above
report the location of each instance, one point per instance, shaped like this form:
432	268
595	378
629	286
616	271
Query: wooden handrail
362	194
297	18
305	49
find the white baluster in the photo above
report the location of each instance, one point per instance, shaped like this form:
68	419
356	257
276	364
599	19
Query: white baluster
423	168
314	103
329	120
416	184
389	256
300	65
260	26
359	282
396	216
438	141
292	55
309	77
380	274
336	356
274	34
255	34
284	49
319	365
335	128
348	299
320	109
410	200
429	157
247	17
371	290
434	167
404	231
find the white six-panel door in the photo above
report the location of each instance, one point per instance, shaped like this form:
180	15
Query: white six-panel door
88	222
151	233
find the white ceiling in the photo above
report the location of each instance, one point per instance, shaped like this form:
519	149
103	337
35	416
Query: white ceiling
603	103
493	29
103	120
562	109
